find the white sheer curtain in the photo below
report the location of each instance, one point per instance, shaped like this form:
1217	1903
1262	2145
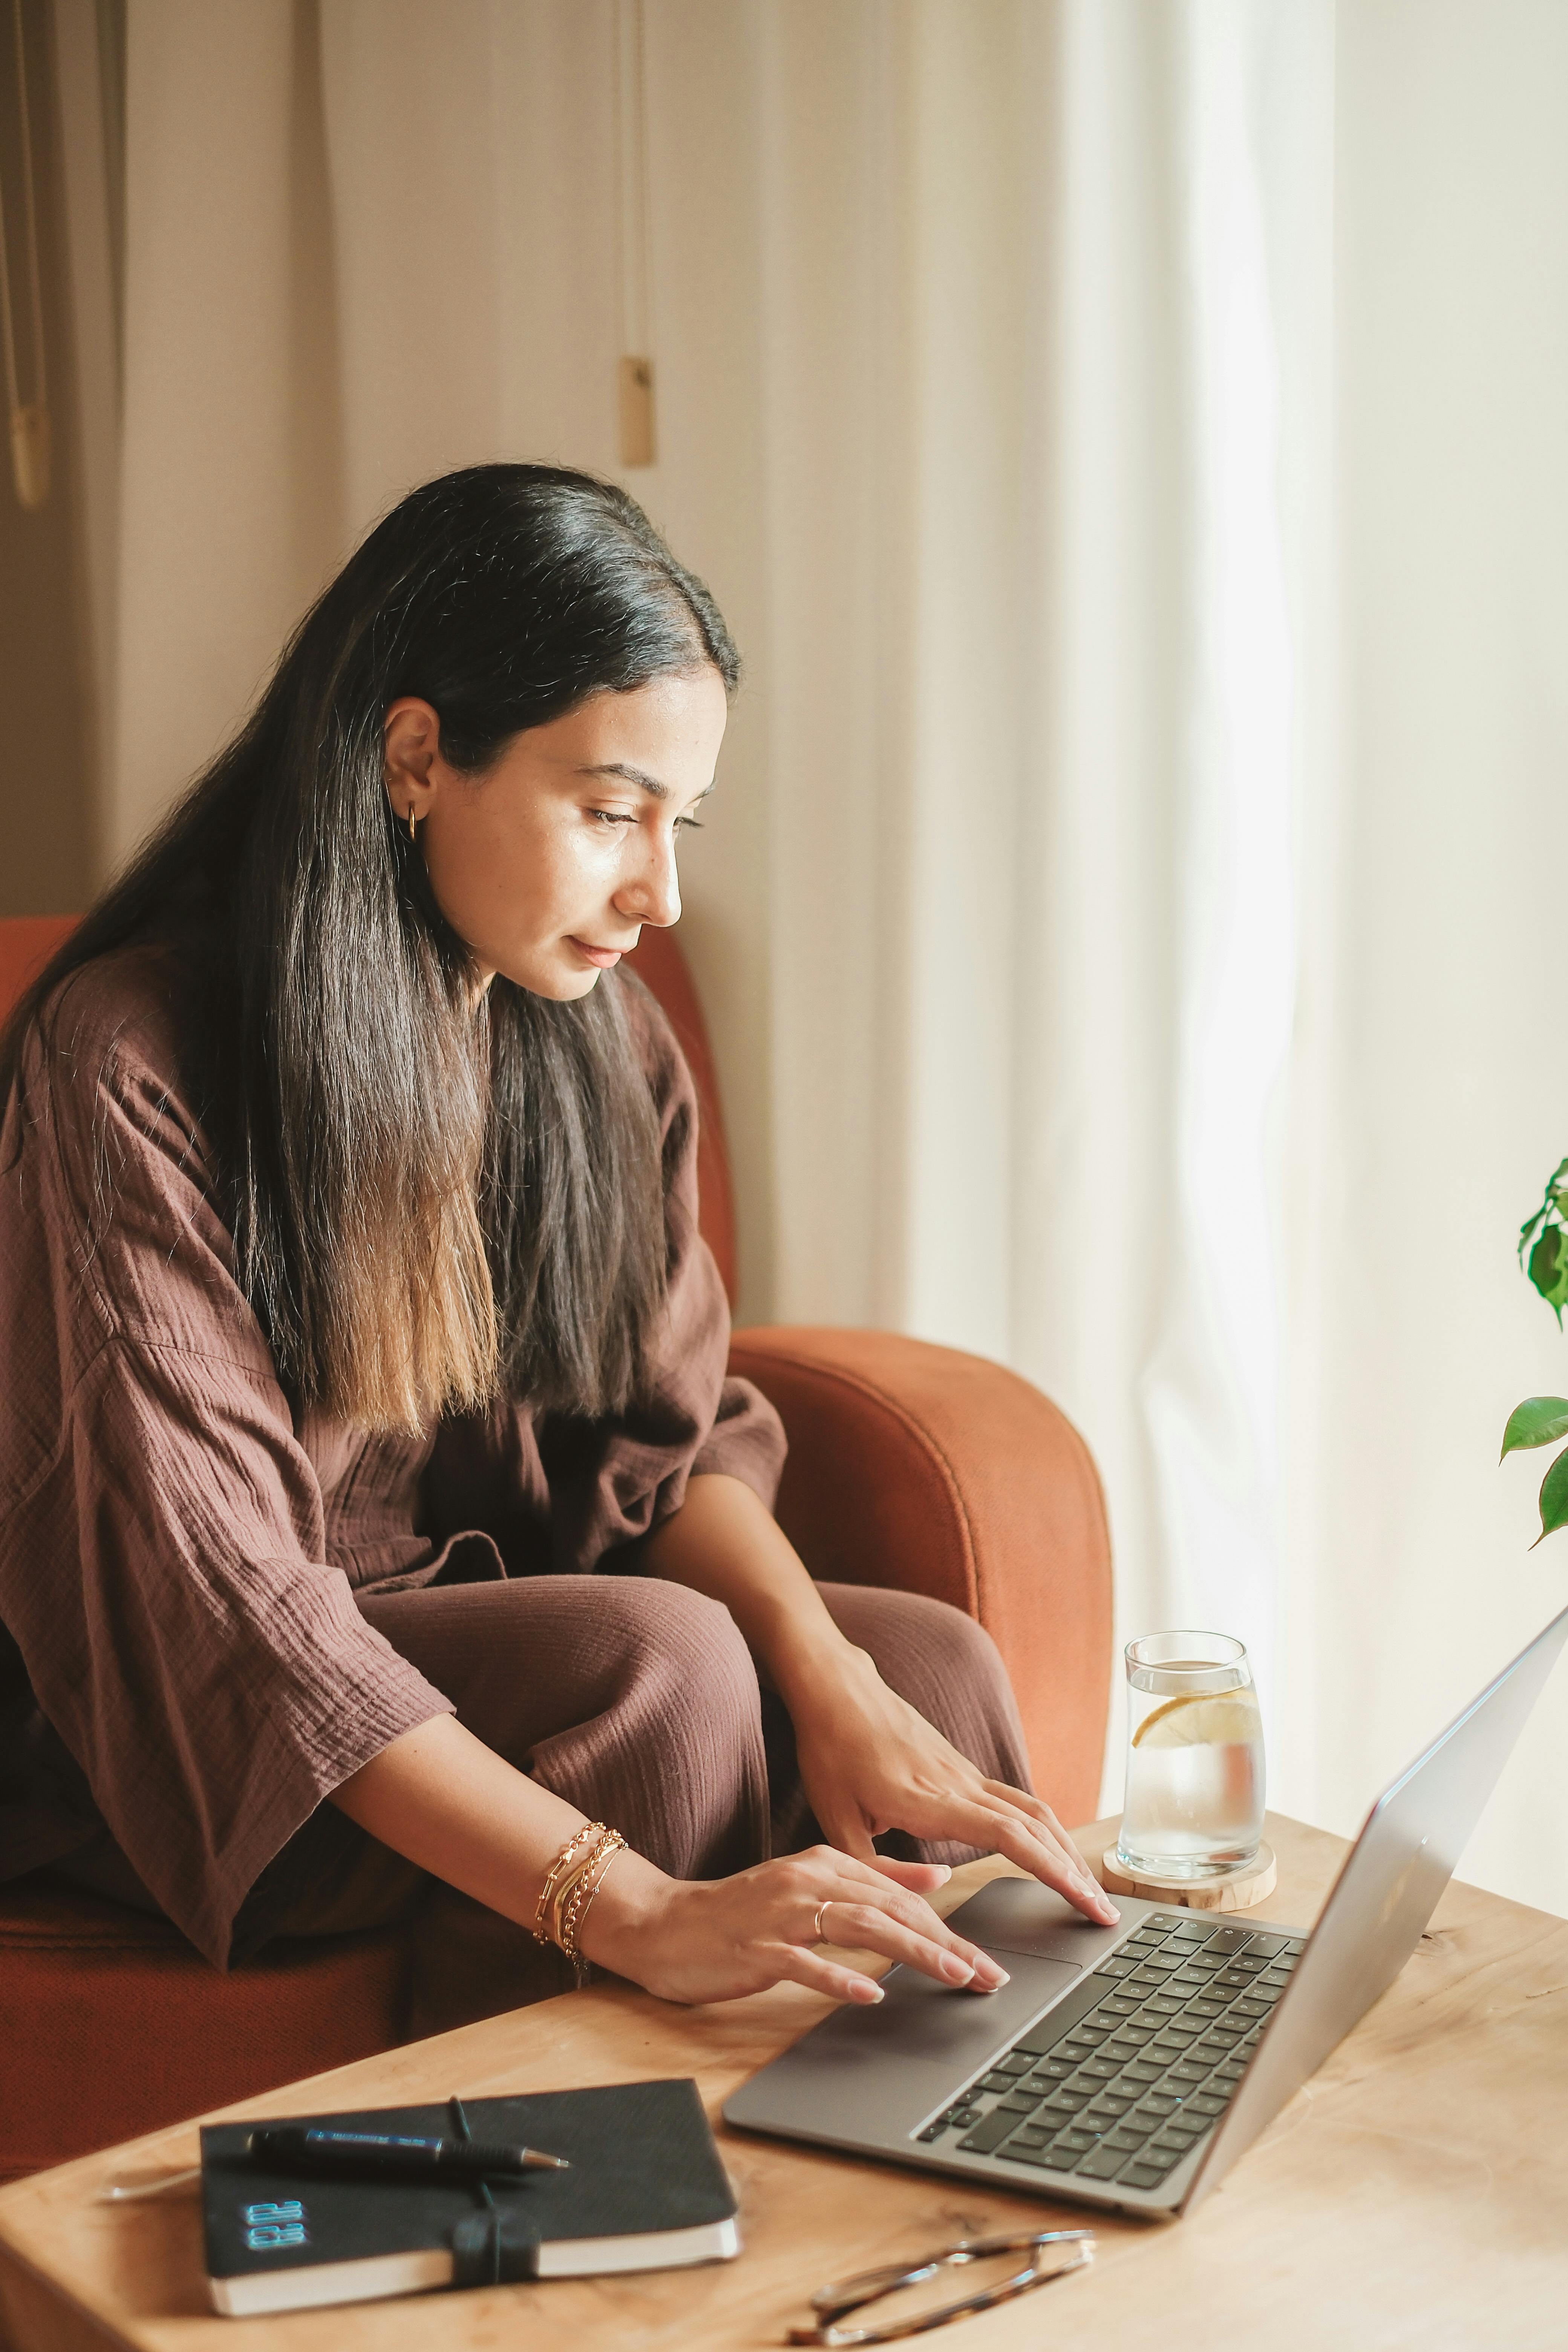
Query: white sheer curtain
1125	435
1038	893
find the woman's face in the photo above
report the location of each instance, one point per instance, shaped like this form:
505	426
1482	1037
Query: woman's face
548	865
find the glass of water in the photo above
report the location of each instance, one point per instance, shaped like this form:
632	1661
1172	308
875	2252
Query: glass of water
1194	1758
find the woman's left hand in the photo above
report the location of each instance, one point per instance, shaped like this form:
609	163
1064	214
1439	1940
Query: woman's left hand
869	1763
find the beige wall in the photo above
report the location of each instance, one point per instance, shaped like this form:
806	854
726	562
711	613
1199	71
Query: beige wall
47	814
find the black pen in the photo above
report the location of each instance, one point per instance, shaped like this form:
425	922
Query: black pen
383	2156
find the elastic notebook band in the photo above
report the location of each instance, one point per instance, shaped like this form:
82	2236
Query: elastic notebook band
479	2258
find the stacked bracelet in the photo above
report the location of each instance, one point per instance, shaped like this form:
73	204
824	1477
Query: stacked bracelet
543	1929
585	1885
571	1883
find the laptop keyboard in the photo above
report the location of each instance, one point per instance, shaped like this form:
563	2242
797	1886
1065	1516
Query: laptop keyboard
1136	2063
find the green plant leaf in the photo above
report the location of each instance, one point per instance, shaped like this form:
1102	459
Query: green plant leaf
1539	1420
1548	1269
1529	1230
1552	1206
1554	1499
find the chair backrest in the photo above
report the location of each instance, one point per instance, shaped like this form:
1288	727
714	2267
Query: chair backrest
660	966
28	942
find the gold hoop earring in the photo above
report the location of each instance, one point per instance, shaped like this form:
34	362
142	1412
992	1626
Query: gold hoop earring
413	820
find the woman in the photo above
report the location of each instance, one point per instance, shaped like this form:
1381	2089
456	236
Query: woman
376	1510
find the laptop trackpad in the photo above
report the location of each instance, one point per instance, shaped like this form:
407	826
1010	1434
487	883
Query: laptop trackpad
1019	1915
868	2072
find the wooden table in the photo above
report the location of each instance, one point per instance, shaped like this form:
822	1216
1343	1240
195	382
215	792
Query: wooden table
1415	2192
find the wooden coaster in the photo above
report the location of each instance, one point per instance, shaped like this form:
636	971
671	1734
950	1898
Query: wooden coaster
1236	1891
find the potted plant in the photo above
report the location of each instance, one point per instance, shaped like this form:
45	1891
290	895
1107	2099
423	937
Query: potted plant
1541	1421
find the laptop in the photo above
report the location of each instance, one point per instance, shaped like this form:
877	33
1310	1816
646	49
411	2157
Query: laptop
1129	2067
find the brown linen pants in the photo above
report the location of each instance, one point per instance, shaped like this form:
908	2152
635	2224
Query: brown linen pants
638	1701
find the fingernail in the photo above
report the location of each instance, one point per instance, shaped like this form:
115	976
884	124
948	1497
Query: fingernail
1110	1911
876	1996
960	1970
998	1976
944	1872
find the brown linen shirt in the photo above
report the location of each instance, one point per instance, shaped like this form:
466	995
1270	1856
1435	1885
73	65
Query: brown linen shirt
180	1651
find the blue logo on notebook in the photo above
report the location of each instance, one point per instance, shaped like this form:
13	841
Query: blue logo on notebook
268	2227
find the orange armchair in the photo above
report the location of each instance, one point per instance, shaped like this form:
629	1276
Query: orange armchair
910	1466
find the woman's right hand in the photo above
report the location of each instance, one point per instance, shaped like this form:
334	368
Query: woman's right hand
713	1939
454	1807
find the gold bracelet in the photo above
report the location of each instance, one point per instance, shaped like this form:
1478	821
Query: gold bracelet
553	1876
580	1917
568	1880
586	1888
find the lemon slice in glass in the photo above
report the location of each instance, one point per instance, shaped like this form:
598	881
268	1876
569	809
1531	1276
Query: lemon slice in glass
1200	1722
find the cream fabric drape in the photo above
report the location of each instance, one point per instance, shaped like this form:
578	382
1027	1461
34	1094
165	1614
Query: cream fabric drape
1125	434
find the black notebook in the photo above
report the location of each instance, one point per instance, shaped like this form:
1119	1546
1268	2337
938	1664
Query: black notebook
645	2191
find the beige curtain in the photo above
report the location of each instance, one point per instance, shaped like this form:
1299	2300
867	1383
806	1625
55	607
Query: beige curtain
1123	433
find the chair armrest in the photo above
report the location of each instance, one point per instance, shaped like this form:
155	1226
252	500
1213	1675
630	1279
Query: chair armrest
934	1471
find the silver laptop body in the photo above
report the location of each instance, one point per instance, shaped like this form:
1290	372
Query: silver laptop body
1129	2066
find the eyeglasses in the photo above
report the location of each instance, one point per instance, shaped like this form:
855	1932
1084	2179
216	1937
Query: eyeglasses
835	2303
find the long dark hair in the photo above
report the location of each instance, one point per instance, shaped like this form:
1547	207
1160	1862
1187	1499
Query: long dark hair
429	1203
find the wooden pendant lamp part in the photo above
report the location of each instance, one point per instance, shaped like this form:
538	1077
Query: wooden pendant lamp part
636	410
634	377
30	420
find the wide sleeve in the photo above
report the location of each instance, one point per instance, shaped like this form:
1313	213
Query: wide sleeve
614	1481
162	1559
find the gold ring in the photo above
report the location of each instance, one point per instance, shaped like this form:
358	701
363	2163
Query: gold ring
817	1924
